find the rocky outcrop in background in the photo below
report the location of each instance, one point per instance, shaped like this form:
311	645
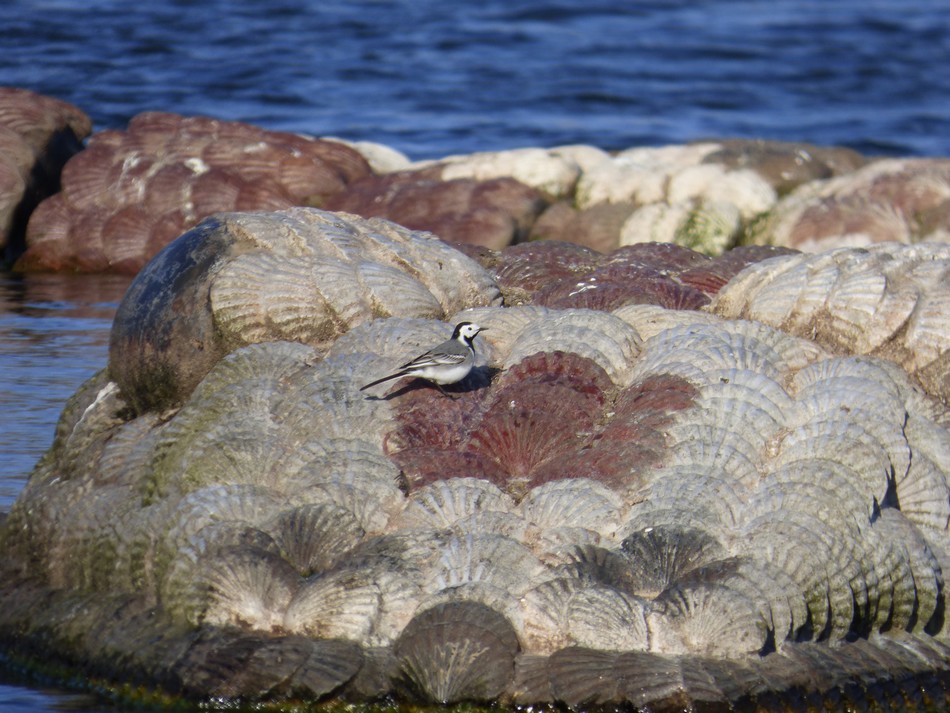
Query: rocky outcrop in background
132	191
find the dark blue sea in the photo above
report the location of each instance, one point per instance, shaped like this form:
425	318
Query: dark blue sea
433	78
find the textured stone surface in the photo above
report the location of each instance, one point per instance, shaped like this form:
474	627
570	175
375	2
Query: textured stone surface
37	136
132	192
638	505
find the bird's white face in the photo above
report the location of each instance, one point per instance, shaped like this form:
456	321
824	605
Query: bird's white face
469	330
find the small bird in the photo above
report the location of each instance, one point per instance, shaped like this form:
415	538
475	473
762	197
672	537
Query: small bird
448	363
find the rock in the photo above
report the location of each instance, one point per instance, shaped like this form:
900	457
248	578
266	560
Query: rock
132	192
300	275
37	136
888	200
785	166
491	213
638	507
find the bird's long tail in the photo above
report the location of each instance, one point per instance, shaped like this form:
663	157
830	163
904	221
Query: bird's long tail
385	378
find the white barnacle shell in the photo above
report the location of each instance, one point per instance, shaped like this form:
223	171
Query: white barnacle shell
247	587
715	492
311	276
348	603
604	339
446	503
575	503
924	494
695	350
495	559
712	619
887	300
456	280
649	320
315	537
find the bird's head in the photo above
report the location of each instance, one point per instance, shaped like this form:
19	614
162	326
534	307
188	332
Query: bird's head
466	331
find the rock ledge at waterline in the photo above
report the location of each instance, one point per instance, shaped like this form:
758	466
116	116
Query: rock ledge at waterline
637	504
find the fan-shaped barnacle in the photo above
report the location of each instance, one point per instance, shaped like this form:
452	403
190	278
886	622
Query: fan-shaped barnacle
836	405
848	383
709	619
526	429
717	448
754	389
927	577
658	556
194	580
248	587
715	491
390	340
562	369
79	548
475	557
350	604
823	488
566	611
755	283
262	296
126	456
445	503
236	422
371	500
314	538
857	453
264	367
607	340
573	502
710	348
457	651
923	494
749	427
826	566
459	281
650	320
337	460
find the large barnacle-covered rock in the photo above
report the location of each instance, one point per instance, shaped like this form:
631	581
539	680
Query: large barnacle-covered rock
639	507
131	192
38	135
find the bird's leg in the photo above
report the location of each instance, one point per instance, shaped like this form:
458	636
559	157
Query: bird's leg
443	391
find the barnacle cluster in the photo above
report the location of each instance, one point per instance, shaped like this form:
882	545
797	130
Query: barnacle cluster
636	505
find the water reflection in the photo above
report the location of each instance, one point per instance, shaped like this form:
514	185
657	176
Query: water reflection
54	334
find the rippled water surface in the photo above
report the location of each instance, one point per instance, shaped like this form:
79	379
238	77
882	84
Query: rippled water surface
433	78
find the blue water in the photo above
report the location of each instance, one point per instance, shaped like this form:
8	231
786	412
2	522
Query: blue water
433	78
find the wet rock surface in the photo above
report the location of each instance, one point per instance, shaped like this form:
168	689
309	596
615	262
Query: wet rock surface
627	504
37	136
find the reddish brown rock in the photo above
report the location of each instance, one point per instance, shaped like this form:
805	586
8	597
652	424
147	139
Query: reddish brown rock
597	227
132	192
493	213
557	274
38	135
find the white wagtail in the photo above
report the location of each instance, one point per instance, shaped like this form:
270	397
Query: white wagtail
448	363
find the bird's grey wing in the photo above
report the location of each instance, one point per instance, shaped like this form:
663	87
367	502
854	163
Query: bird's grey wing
434	358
